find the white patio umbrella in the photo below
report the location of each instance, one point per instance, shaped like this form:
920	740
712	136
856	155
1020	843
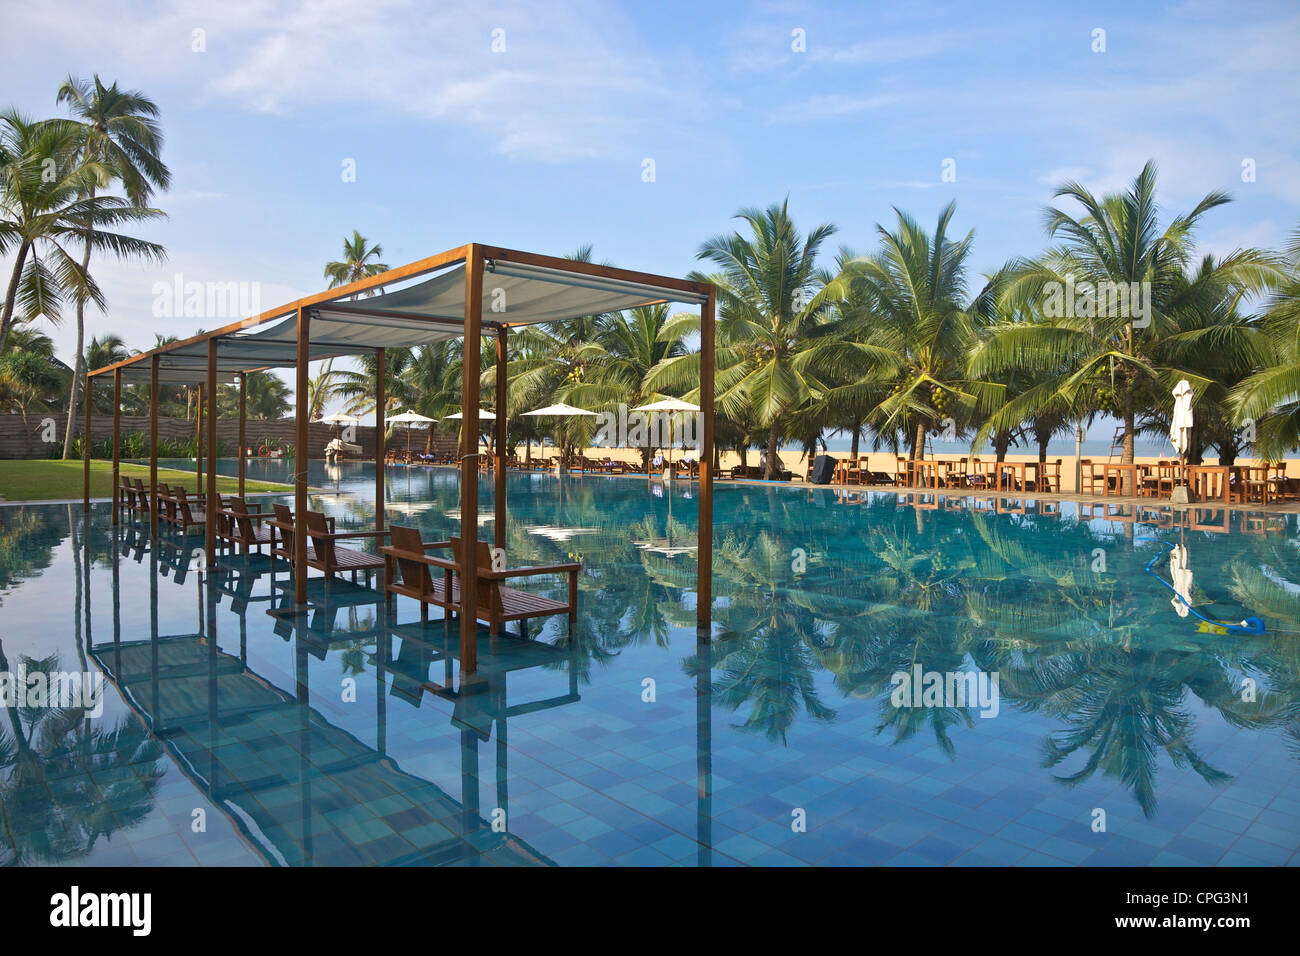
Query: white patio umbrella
559	410
668	405
408	419
1181	576
483	414
338	418
1180	427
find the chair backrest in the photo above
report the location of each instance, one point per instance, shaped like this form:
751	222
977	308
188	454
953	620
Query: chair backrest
242	521
489	595
285	517
318	530
414	574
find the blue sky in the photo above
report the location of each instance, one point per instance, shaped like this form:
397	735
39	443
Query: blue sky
542	146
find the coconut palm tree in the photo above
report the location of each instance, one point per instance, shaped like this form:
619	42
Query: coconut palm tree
45	206
360	261
118	132
769	303
101	351
910	329
1271	396
1115	247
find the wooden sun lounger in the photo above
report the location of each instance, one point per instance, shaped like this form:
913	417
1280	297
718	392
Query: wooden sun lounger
240	525
282	524
327	556
497	602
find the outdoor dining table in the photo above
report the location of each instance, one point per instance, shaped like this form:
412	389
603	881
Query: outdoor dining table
1210	481
1012	474
1116	470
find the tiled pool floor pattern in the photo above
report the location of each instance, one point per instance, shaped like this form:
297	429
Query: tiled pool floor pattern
331	739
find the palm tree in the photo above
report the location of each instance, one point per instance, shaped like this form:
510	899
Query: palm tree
360	261
118	132
1116	245
45	204
266	395
30	376
630	346
769	305
101	352
910	329
1271	396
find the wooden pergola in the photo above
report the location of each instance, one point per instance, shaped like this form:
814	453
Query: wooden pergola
459	293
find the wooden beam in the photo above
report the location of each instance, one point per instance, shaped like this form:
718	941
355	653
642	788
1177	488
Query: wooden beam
499	495
153	449
198	440
243	417
85	452
594	270
704	582
117	444
381	398
210	524
469	463
300	462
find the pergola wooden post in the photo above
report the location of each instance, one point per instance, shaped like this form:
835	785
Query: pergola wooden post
300	461
85	452
381	398
469	461
243	415
198	441
499	497
117	442
210	509
704	580
153	448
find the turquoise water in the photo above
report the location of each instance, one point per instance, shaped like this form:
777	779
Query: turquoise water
234	736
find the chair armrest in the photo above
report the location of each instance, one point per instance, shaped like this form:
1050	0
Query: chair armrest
340	535
539	569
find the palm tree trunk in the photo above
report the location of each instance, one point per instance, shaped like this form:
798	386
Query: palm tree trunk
6	318
1127	456
1001	442
918	442
857	434
773	457
78	368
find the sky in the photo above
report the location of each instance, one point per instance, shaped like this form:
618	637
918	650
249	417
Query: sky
642	129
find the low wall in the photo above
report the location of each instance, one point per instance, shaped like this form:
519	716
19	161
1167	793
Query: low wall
26	441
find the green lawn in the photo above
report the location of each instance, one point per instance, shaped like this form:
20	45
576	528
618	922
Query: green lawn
47	480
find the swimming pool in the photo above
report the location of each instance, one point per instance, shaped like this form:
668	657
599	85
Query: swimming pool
1104	727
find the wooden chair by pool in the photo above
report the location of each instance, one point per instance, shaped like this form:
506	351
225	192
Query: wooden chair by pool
283	526
141	496
331	558
242	528
498	603
407	571
187	517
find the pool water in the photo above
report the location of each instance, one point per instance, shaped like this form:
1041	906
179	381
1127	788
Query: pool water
236	732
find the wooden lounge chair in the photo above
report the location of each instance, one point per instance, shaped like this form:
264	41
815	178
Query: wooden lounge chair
283	527
330	558
407	571
498	603
187	517
241	526
141	496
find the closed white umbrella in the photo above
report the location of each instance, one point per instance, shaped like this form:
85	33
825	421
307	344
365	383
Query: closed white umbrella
1181	576
1180	430
1180	426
